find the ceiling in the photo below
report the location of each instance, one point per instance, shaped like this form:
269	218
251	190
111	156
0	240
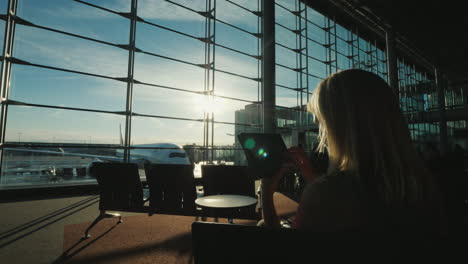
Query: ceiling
437	28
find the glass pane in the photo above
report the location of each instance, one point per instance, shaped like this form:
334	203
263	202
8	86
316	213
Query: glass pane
285	37
3	6
303	98
343	46
286	97
196	5
36	124
249	4
148	38
313	82
286	77
224	135
315	17
50	87
316	34
237	16
287	119
286	57
363	44
2	35
317	68
225	109
159	71
174	17
381	66
317	51
236	87
233	62
226	146
251	114
78	18
58	50
285	17
148	130
115	5
342	32
289	4
344	62
163	102
236	39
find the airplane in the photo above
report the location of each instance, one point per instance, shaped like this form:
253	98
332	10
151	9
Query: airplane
165	153
156	153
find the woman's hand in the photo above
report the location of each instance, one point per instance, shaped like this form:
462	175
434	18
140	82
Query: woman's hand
268	187
298	156
270	184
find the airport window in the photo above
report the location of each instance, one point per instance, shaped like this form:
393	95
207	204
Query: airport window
454	98
79	93
94	80
418	94
309	47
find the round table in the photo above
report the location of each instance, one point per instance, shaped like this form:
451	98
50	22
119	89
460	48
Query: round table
226	201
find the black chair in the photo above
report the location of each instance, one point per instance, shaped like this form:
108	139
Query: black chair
234	243
172	188
229	179
120	189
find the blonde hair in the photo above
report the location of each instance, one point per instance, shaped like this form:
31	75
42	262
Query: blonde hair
362	128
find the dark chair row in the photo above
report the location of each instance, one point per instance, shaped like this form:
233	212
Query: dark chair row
171	188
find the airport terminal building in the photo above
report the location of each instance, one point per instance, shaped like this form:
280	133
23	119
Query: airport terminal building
176	82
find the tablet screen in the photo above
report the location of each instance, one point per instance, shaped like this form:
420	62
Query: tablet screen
264	152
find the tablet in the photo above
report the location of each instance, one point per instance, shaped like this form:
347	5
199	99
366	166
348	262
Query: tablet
264	152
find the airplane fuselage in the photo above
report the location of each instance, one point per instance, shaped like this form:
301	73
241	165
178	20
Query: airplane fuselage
163	153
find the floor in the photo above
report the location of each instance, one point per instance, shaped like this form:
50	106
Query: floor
32	231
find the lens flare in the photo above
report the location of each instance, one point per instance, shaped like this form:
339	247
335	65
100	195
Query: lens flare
249	143
260	152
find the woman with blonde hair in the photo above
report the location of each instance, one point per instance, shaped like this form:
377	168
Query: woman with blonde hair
375	177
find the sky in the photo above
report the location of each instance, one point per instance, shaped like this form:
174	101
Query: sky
44	86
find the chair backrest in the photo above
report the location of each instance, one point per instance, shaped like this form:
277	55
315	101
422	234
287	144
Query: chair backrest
227	179
120	186
172	188
234	243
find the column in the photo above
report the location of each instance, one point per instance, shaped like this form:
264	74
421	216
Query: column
392	69
268	66
440	86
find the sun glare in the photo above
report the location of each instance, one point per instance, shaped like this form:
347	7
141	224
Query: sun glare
208	104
